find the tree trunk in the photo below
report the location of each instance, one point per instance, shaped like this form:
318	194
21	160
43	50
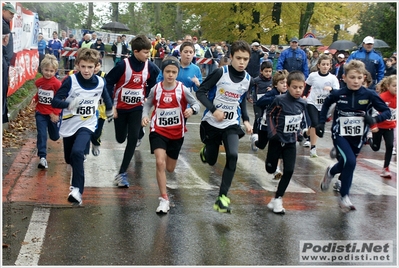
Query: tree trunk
179	25
305	19
115	11
276	14
89	20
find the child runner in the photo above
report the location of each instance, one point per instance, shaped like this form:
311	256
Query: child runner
189	73
129	83
263	83
387	127
318	86
78	97
169	99
102	116
284	117
279	87
350	124
47	117
223	94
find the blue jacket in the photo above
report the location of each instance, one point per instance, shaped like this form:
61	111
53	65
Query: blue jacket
353	103
41	46
292	60
373	61
54	45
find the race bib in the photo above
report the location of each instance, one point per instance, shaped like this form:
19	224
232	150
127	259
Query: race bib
229	109
45	96
86	108
351	126
131	96
168	117
292	123
393	114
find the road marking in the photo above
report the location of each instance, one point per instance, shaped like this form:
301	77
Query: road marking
29	254
363	181
255	169
190	179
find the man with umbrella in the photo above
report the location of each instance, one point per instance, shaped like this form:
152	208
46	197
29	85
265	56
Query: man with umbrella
373	61
293	58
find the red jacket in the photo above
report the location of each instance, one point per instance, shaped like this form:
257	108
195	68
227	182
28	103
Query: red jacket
390	101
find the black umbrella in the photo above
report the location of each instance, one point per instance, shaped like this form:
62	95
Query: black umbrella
378	43
115	27
308	41
342	45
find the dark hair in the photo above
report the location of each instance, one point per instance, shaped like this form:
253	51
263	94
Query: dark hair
240	46
140	42
295	76
266	64
186	44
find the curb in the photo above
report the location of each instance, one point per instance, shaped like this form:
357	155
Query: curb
17	108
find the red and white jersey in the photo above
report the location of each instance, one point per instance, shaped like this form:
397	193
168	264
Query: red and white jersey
167	118
130	89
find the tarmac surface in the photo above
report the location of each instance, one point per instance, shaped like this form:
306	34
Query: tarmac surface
117	227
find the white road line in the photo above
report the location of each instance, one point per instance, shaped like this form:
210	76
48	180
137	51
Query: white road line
190	179
255	168
364	181
29	254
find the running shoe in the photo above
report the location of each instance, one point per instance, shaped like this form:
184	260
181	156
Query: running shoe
386	173
333	153
43	163
394	151
276	205
277	174
202	154
313	153
345	204
306	144
138	143
222	204
95	150
163	206
253	138
325	182
75	196
337	186
121	180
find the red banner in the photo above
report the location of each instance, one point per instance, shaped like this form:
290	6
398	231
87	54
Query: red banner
25	68
24	28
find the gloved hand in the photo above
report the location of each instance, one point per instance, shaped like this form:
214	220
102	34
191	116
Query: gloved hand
74	104
369	120
110	115
320	130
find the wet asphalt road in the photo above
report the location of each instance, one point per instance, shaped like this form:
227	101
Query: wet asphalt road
120	227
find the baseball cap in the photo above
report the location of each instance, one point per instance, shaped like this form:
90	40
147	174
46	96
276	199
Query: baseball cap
368	40
8	6
342	56
254	44
294	39
326	52
71	36
278	51
204	41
